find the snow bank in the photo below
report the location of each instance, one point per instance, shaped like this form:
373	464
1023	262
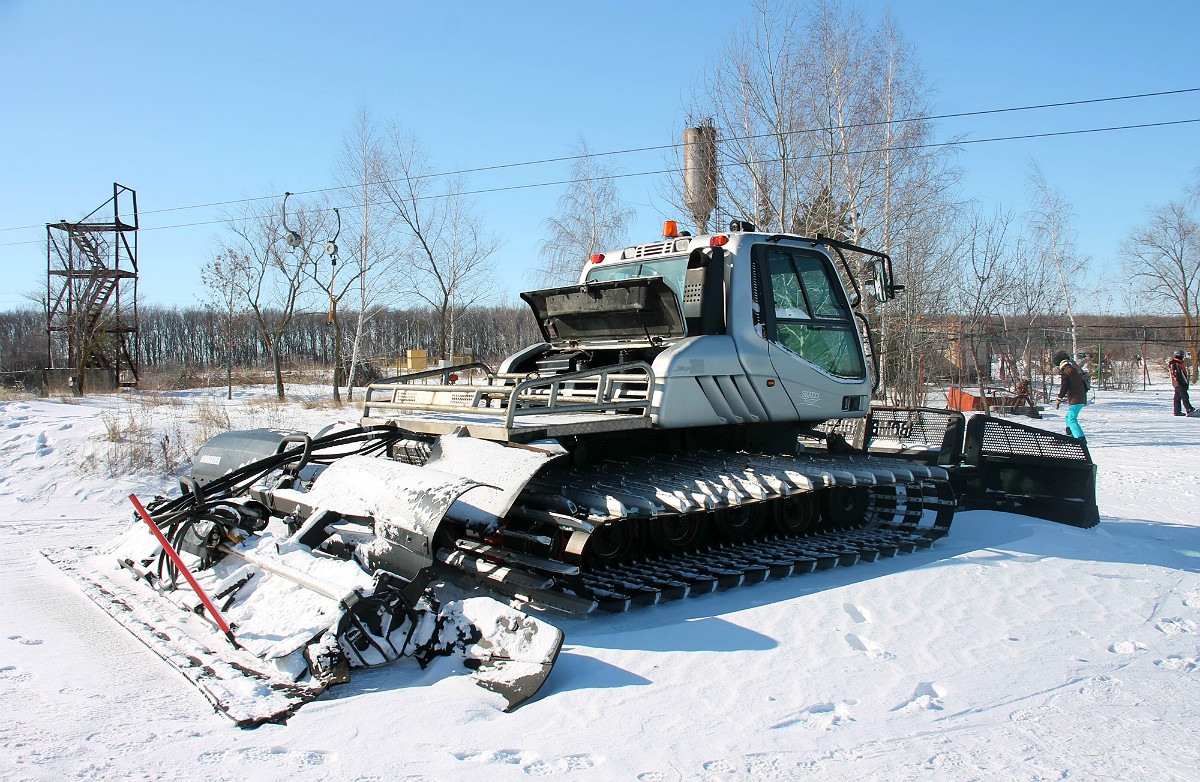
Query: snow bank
1015	648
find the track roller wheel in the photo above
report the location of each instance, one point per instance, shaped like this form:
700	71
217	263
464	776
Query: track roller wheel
611	543
743	522
844	506
796	515
670	534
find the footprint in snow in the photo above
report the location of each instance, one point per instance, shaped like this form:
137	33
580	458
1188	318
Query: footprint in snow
719	767
765	765
869	647
819	716
1127	647
856	613
1101	688
1177	663
926	697
511	756
1176	625
10	674
1033	715
311	758
559	766
27	641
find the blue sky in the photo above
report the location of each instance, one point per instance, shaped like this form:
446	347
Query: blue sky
194	103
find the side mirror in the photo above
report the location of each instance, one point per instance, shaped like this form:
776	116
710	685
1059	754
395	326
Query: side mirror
878	284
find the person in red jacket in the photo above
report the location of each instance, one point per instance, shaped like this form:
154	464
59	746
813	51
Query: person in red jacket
1074	390
1179	379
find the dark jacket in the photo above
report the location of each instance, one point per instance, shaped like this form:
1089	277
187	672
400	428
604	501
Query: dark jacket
1179	373
1072	388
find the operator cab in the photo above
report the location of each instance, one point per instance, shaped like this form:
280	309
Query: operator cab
763	323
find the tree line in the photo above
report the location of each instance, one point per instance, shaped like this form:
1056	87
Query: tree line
819	120
195	337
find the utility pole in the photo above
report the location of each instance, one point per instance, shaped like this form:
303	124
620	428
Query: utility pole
1145	368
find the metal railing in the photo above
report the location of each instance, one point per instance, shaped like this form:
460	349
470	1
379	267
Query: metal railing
618	388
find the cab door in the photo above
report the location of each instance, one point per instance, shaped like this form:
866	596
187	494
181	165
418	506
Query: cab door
812	339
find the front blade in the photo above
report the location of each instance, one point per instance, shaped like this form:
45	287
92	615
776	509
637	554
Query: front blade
241	686
514	652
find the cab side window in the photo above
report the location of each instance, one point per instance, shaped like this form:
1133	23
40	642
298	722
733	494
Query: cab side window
811	316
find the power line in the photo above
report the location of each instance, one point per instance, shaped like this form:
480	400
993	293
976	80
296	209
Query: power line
534	185
661	147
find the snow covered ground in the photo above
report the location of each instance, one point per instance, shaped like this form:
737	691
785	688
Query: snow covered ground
1016	648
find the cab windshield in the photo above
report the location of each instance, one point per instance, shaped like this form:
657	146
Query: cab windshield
673	271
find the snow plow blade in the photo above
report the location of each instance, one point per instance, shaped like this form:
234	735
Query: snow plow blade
1013	467
994	463
264	595
508	652
237	683
514	652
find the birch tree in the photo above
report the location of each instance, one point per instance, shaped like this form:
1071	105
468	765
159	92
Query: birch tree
371	243
819	119
1051	223
591	218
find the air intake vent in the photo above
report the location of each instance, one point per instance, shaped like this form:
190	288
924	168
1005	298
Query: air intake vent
654	248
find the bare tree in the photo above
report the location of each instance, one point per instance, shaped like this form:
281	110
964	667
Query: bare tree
983	283
927	262
591	218
819	117
449	255
1030	291
224	277
1162	257
753	96
1051	224
371	238
275	277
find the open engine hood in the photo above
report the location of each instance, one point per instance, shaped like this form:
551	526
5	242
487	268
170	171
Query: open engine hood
640	308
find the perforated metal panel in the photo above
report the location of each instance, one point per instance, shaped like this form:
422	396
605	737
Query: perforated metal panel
910	426
1004	438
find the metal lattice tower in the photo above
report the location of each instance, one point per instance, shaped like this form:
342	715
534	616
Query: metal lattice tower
91	290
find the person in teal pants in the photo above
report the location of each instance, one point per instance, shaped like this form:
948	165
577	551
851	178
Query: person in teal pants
1073	390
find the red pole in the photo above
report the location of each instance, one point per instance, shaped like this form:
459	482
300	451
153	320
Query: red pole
212	610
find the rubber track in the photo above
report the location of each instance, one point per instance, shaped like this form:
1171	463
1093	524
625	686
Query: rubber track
909	507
